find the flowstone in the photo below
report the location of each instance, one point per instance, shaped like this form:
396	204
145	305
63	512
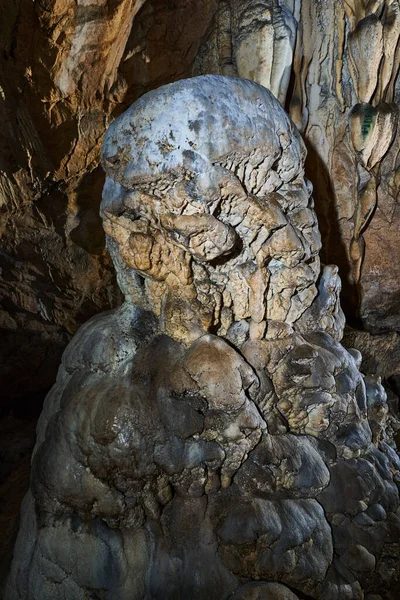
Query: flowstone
211	438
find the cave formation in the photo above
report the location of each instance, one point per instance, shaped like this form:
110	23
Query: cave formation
68	70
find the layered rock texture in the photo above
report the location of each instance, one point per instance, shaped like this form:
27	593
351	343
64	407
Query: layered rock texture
335	66
68	68
211	438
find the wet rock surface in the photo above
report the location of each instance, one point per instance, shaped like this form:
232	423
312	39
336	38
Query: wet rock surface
211	438
68	69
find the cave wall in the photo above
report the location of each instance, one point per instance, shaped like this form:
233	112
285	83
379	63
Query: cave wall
335	68
69	68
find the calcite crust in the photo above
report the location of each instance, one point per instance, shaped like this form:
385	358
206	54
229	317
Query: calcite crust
211	438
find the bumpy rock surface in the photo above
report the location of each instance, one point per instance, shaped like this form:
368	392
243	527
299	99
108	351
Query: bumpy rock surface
69	67
335	67
211	438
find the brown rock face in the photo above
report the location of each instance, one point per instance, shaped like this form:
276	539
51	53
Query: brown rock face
59	64
68	68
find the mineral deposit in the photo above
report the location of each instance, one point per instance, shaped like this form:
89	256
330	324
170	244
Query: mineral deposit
211	438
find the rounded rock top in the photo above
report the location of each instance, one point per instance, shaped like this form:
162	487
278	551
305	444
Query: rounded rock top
208	118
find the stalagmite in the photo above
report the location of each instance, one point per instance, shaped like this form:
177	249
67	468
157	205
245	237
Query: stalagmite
211	438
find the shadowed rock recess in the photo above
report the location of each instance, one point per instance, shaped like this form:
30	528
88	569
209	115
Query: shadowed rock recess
211	438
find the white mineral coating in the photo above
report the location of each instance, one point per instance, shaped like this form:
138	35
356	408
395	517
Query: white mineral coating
365	49
211	438
264	42
206	199
187	125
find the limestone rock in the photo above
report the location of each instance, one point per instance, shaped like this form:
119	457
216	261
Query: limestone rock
344	97
253	154
264	591
365	53
90	63
199	438
67	69
372	130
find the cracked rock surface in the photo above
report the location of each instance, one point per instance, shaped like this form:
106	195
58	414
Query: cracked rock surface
211	438
69	67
